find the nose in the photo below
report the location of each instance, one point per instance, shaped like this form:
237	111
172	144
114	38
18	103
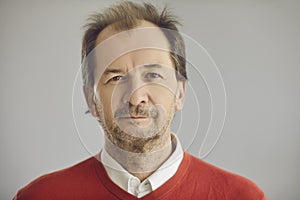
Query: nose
138	96
136	92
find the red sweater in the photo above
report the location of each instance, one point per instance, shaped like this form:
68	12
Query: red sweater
194	179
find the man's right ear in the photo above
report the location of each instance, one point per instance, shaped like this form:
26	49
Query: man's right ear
90	100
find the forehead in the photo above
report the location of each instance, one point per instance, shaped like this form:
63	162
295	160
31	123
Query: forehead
144	43
142	57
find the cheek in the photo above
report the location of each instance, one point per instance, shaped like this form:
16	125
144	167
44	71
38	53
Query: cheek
106	103
162	94
165	100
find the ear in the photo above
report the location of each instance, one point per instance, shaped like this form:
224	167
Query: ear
180	94
90	100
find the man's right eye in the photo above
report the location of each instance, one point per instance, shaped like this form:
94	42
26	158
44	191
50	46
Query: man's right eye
116	78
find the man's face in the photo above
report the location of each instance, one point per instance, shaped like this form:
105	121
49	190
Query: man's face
136	98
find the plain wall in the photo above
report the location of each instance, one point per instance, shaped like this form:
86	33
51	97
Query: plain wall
255	45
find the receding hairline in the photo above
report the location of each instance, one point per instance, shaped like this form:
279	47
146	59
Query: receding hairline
111	30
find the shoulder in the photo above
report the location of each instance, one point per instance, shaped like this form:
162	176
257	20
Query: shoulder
231	185
65	180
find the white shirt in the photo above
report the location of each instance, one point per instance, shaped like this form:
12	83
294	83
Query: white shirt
132	184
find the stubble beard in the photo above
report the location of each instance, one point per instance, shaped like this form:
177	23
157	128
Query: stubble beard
157	135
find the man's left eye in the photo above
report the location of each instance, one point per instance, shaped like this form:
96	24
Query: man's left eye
153	75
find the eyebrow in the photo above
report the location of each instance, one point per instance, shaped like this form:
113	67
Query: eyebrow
152	66
112	71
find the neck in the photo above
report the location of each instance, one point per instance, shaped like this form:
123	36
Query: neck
143	164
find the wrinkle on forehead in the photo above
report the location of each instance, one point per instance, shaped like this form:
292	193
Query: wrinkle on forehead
139	58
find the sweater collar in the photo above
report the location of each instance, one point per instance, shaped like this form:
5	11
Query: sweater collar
131	184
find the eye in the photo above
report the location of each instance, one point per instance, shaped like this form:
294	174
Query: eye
116	79
153	75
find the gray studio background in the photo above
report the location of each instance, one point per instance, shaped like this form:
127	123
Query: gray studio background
255	44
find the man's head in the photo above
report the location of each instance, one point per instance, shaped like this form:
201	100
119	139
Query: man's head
134	74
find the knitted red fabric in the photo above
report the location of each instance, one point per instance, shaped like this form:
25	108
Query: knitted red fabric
195	179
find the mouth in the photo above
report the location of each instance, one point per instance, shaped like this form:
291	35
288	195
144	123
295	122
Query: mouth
135	119
138	117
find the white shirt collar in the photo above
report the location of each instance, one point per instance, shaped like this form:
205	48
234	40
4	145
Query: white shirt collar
132	184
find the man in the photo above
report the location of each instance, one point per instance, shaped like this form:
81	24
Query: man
133	66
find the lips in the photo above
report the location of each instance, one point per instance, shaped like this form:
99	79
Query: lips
133	117
138	116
